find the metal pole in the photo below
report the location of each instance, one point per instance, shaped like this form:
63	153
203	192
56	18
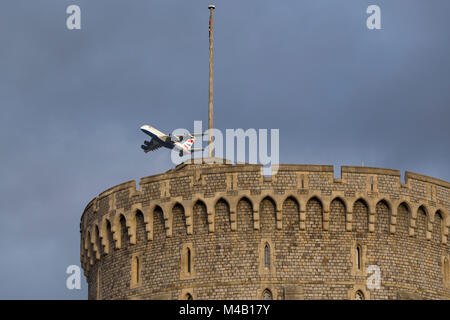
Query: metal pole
210	111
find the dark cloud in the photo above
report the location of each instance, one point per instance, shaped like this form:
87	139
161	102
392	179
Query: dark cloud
72	101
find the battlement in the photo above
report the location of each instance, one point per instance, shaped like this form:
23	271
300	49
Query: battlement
195	201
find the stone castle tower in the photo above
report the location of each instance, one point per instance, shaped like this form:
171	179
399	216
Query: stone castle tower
225	231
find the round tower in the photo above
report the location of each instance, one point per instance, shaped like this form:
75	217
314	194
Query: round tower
222	231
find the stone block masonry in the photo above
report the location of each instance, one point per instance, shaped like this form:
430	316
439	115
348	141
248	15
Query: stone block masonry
222	231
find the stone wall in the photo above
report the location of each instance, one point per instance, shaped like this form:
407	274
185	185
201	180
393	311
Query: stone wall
315	227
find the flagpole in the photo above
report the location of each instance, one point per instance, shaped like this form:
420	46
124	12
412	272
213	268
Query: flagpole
210	109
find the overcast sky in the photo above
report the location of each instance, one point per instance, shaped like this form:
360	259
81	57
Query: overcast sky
72	102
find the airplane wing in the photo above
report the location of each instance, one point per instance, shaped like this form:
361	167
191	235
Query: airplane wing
154	133
150	146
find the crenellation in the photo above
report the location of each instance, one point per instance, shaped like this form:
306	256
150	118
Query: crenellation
312	223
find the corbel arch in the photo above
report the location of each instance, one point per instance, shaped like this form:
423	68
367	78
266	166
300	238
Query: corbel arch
395	226
209	211
263	196
252	205
429	220
130	218
255	201
370	211
86	241
325	204
116	229
442	236
316	197
294	199
290	196
167	215
446	223
92	241
130	222
88	248
104	234
391	218
276	207
232	202
188	210
424	208
250	199
148	221
362	199
407	205
428	224
342	200
232	213
338	219
303	200
179	204
388	203
223	198
229	219
95	240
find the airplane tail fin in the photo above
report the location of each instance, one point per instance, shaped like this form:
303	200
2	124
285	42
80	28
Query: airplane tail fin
187	145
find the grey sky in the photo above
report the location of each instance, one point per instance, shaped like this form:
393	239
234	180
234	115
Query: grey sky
71	102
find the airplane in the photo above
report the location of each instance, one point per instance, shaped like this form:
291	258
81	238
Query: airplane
160	139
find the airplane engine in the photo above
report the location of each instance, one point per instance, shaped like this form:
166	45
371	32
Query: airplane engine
147	143
179	138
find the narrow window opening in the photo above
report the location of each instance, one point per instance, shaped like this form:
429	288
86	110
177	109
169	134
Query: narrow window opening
138	269
371	183
267	256
303	184
358	257
446	271
188	260
135	271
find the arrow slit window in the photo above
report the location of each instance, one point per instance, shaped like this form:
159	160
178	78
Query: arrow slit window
267	256
188	260
136	269
358	257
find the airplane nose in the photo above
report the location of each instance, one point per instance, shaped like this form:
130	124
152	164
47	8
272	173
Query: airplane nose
147	130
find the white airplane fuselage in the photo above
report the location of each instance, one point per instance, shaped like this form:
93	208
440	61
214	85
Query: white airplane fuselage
160	139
